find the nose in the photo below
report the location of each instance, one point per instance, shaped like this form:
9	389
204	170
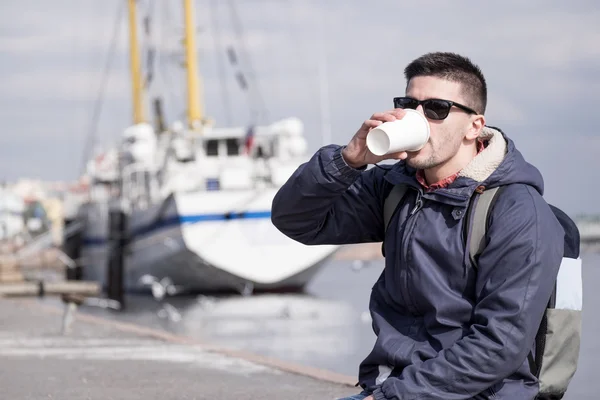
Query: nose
420	109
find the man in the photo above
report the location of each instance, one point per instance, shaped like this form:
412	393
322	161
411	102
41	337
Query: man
445	330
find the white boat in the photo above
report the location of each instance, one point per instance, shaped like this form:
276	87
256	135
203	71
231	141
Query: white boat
198	200
12	209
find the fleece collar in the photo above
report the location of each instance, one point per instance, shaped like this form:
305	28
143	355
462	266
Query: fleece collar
487	161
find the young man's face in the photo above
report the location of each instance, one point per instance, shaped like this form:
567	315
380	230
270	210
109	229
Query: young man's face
446	135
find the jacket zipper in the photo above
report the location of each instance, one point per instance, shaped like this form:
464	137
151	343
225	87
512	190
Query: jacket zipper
418	203
407	232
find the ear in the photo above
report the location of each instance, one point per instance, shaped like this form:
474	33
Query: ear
477	124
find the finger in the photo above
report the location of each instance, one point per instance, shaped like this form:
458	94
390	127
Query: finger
370	124
384	116
398	113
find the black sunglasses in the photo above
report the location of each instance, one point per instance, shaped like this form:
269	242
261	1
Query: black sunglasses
435	109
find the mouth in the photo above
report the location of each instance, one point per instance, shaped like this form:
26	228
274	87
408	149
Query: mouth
421	149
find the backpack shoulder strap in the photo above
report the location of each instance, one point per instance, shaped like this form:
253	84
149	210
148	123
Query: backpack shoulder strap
391	202
479	221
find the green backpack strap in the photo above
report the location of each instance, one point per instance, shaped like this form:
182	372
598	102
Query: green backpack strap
478	221
391	203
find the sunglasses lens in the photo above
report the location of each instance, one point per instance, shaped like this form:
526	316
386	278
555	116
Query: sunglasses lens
436	109
405	102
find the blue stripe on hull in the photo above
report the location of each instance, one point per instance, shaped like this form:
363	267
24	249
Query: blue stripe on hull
180	220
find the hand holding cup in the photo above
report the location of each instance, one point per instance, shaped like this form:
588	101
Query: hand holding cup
387	135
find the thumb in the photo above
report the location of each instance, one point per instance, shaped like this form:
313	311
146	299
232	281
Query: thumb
401	155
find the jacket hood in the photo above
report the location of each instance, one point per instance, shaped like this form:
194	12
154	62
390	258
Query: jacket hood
500	163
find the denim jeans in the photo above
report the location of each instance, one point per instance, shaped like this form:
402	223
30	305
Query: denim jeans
359	396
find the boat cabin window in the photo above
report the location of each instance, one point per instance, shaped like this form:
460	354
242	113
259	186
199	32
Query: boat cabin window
230	146
233	146
212	147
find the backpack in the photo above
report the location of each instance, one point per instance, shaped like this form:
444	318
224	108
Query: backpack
558	338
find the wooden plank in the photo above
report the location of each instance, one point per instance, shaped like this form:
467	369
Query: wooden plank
84	288
11	277
8	263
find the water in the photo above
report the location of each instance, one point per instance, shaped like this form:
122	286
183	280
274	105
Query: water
328	326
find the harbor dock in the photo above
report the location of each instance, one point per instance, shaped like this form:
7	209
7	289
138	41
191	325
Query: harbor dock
103	359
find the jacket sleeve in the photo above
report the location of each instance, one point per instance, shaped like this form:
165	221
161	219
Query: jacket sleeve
515	278
326	201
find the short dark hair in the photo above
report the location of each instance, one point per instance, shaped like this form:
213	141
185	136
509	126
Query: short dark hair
455	68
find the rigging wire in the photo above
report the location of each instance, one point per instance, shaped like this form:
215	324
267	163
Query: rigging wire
149	43
299	47
74	59
214	15
164	61
90	139
239	32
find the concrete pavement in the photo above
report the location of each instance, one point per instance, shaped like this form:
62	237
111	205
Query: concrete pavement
104	359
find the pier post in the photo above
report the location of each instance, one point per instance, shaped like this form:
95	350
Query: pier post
71	246
117	242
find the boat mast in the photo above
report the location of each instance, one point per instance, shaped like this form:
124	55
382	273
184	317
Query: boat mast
195	117
134	57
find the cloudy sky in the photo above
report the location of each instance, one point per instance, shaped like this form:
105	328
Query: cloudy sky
541	60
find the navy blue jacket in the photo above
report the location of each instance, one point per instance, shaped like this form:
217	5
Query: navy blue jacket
445	330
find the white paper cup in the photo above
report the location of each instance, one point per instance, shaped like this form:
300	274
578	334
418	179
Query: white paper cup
410	133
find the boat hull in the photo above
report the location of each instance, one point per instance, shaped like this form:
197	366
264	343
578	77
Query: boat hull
205	241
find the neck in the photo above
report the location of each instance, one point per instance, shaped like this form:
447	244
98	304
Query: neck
466	153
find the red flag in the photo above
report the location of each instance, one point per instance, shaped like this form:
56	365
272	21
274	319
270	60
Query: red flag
249	140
